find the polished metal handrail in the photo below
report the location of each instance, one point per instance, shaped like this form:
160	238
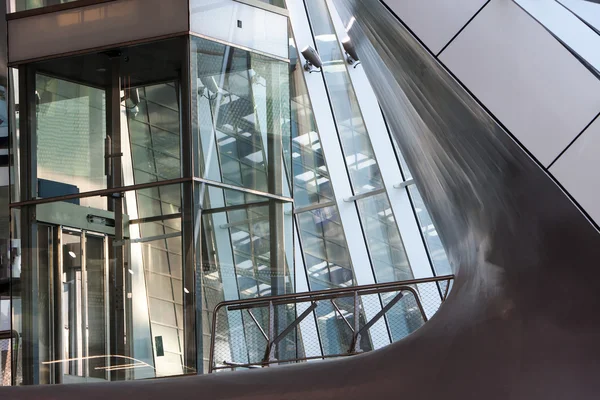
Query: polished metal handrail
313	298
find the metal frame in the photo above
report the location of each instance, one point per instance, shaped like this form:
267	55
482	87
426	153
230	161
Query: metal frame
53	8
313	298
116	190
226	43
265	6
365	195
405	184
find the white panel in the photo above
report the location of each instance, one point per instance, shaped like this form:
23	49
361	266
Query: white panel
390	171
577	170
94	26
261	30
586	10
567	27
525	77
435	22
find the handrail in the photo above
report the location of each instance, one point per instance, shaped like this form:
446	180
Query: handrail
309	295
314	298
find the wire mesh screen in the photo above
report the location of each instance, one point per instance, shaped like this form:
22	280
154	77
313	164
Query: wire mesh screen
5	361
309	326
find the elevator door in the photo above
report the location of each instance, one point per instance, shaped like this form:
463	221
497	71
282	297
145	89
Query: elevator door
84	306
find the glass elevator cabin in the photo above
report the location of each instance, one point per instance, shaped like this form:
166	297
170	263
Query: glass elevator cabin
149	182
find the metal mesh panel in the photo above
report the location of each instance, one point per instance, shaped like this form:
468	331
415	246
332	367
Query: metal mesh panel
278	330
8	354
5	365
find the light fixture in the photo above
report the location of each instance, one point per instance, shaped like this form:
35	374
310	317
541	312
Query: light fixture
351	55
313	60
72	254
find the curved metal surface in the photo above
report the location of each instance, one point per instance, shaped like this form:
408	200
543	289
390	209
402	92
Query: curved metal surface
522	320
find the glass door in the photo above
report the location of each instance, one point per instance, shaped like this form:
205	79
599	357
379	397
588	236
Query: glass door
84	306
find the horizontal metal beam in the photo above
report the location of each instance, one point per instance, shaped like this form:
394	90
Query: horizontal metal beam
54	8
221	185
364	195
218	210
404	184
313	207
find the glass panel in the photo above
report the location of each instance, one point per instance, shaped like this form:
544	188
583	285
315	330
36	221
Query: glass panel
71	129
360	159
388	256
311	177
434	243
239	259
278	3
97	306
135	238
326	254
241	116
22	5
14	159
154	133
74	150
385	244
436	250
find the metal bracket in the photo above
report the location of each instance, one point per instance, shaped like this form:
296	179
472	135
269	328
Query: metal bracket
270	351
355	346
404	184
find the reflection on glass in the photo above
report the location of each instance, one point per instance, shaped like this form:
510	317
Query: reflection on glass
14	159
360	159
70	134
323	242
133	240
74	150
434	243
311	177
438	256
246	243
154	133
387	251
404	317
375	212
241	121
278	3
326	255
22	5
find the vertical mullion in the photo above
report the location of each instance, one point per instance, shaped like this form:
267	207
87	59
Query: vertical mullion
192	360
29	287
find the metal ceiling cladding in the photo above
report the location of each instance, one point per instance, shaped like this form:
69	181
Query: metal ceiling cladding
522	321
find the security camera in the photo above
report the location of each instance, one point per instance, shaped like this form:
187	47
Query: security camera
350	50
312	59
